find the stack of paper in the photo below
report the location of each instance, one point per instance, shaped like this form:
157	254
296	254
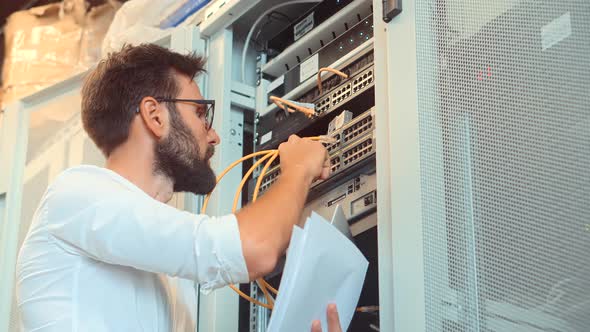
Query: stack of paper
323	266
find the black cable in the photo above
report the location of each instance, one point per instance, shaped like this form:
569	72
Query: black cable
281	17
289	19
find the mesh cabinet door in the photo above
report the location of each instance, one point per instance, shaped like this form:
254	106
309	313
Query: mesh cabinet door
503	99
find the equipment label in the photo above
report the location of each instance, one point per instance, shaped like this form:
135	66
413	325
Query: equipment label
309	67
266	137
303	27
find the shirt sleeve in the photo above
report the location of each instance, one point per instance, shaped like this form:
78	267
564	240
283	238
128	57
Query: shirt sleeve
131	229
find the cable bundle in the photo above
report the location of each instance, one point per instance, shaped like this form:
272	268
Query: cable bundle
269	156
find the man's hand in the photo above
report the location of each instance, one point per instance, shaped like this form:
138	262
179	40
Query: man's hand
266	225
305	156
333	321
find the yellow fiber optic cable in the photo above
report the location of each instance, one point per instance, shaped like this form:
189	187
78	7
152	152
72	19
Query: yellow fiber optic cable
337	72
280	102
271	155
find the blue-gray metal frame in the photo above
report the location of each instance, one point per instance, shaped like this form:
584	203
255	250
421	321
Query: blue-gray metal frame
218	310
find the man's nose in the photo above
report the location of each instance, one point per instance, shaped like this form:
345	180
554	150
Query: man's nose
213	138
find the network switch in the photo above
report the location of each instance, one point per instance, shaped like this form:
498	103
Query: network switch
335	81
307	22
357	196
299	51
350	131
348	41
276	127
355	142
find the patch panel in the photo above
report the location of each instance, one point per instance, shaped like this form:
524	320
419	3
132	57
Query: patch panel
343	136
280	127
345	91
341	94
335	164
333	81
362	81
355	128
358	128
278	124
335	145
322	105
359	144
270	178
358	151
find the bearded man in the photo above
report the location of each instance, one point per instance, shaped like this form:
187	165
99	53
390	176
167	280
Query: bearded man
103	244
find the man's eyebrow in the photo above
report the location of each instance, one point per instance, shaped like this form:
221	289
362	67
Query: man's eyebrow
201	107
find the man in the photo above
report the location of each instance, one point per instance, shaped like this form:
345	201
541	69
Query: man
103	240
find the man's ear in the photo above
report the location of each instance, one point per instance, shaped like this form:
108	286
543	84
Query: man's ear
155	116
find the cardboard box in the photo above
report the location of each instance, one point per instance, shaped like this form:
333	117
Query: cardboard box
48	44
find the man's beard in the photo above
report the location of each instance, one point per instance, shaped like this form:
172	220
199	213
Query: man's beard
178	157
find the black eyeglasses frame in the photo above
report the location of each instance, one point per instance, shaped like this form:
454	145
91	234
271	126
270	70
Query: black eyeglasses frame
209	111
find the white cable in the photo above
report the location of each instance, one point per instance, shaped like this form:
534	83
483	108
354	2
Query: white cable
271	9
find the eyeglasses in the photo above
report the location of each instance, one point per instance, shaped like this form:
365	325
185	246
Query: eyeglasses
206	114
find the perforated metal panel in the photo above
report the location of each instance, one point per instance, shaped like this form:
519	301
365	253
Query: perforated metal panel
504	106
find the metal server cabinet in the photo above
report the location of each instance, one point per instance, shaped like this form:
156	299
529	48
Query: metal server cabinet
224	28
484	192
345	42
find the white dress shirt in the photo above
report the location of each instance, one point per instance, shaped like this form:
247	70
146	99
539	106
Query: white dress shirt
100	254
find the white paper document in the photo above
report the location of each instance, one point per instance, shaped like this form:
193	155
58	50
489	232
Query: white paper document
323	266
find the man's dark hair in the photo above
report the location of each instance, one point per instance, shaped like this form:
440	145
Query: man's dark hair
112	92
